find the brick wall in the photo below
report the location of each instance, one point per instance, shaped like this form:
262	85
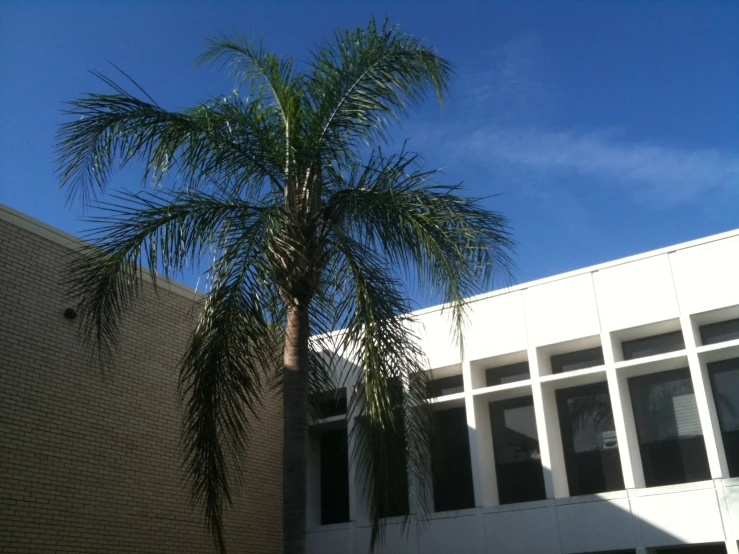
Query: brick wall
89	460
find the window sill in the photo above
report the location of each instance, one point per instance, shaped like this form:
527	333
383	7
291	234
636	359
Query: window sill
329	527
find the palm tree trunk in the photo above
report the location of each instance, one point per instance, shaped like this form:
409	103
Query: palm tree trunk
295	433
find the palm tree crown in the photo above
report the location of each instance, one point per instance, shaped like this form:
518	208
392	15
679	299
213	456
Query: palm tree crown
306	226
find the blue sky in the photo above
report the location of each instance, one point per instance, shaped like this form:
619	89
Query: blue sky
607	128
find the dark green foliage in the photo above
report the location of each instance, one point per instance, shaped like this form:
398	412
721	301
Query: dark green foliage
272	190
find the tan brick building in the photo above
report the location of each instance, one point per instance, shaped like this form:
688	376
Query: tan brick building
89	461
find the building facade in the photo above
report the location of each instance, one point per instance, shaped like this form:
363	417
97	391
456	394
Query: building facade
89	460
594	411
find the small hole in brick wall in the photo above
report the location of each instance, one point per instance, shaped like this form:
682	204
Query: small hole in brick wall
70	313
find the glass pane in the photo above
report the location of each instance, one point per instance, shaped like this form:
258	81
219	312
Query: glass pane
330	403
725	384
389	452
507	374
577	360
445	386
451	465
334	477
719	332
651	346
668	427
589	439
517	456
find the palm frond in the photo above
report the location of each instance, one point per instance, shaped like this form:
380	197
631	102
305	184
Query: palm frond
365	79
270	190
143	231
271	79
215	143
394	425
231	353
449	241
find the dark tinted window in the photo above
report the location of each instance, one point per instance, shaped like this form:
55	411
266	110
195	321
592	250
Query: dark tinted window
719	332
334	477
725	384
445	386
651	346
507	374
329	404
391	456
589	439
452	470
669	430
517	455
577	360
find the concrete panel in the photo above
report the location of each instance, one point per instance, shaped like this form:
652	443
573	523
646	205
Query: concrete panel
397	540
706	277
437	339
496	326
561	310
732	500
635	294
522	532
338	540
454	535
678	518
596	526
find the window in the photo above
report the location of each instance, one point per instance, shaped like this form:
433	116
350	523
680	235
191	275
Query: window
725	384
330	403
517	457
445	386
581	359
391	460
719	332
651	346
395	489
589	439
452	470
334	476
668	427
507	374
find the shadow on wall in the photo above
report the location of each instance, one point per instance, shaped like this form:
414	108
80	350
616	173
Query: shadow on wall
662	519
585	524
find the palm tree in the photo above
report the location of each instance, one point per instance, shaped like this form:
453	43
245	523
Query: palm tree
305	226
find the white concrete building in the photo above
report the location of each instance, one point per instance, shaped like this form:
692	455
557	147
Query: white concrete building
598	411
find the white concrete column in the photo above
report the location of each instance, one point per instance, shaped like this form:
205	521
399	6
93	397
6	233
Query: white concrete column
731	546
623	418
550	438
482	454
706	406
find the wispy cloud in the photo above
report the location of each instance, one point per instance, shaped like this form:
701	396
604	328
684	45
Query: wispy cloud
516	124
650	171
509	84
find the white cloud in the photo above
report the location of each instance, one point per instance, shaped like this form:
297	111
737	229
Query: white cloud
651	172
509	85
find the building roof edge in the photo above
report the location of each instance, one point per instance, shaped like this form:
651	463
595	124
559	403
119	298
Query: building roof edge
48	232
